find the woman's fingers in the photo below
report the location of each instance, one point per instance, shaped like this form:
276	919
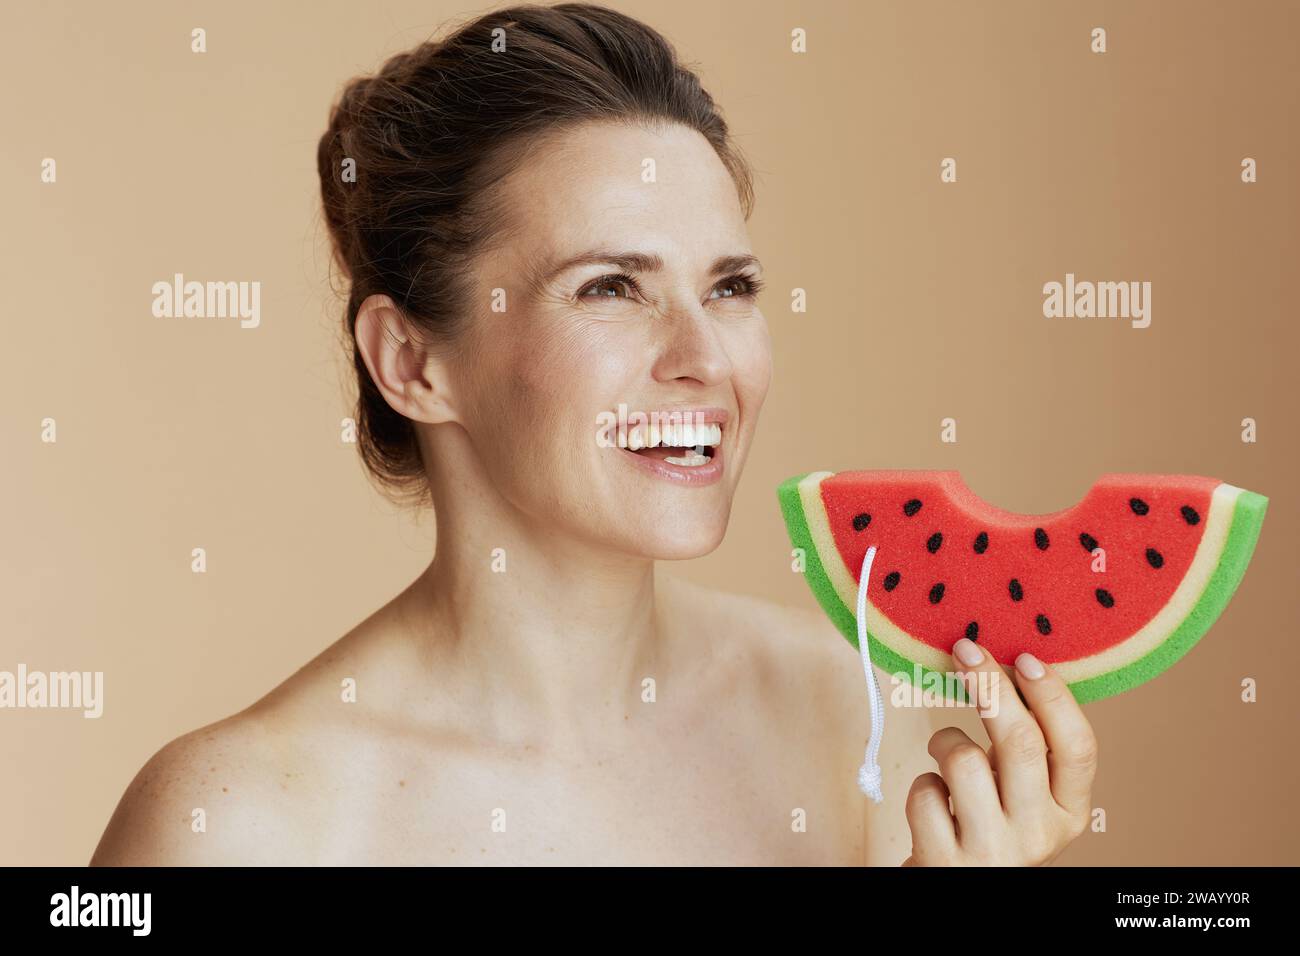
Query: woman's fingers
1019	745
934	839
1071	744
1009	805
975	803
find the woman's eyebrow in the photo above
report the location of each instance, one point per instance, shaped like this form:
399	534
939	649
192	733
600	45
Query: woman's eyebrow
639	262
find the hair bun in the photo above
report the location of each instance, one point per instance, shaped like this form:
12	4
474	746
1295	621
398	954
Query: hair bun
346	117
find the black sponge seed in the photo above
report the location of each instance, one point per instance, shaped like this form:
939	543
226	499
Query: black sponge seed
972	631
1139	506
932	545
861	521
1155	558
1104	598
1088	541
1017	592
1040	539
1043	624
891	580
981	542
936	593
912	507
1190	515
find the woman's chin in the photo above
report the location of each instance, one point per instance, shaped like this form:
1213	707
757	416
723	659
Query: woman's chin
681	543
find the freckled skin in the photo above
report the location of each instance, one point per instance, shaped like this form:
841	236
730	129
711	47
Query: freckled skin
519	696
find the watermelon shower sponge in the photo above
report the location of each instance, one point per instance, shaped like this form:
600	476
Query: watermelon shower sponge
1110	592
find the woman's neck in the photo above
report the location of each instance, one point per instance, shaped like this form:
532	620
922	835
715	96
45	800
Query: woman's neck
542	636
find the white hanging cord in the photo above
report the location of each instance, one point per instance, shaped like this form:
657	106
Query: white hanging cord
869	776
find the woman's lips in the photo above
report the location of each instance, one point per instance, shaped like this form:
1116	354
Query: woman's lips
686	475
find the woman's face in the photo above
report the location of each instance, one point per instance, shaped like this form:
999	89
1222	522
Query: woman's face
627	280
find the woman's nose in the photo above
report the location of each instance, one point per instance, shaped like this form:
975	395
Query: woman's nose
692	348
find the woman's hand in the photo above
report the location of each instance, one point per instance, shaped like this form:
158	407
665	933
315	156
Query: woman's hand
1025	800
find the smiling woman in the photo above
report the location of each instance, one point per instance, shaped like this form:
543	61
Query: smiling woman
543	221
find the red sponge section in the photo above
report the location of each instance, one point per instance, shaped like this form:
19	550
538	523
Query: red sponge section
1064	585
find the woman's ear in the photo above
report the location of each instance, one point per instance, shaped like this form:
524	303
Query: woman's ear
412	379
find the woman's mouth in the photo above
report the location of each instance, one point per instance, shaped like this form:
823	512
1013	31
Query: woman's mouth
689	446
685	453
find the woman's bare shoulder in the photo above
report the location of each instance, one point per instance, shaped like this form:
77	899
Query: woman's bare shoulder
795	649
745	612
206	798
240	790
799	652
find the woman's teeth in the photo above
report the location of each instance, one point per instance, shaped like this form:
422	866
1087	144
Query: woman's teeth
693	460
672	436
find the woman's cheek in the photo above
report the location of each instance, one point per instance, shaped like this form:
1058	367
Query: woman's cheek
549	347
752	361
551	389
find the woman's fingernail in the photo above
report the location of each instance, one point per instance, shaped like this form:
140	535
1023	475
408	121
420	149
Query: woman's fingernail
1030	666
968	652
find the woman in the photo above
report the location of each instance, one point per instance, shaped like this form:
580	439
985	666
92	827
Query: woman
543	219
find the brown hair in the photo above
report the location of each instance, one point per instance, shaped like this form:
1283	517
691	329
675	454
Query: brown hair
437	127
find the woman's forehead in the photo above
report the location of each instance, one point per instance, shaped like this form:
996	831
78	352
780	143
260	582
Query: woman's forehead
600	173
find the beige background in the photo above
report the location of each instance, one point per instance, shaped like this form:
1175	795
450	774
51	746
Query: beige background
925	302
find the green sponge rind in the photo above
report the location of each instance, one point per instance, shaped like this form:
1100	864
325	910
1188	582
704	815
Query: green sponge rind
844	618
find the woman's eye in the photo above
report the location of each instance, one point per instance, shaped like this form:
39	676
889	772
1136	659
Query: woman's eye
738	287
607	287
625	287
